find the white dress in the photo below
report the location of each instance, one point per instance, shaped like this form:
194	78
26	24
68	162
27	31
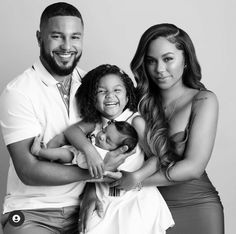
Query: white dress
131	212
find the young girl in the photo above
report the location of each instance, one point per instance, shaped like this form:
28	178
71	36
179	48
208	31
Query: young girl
107	93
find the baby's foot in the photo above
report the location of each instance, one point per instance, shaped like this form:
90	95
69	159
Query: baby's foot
37	145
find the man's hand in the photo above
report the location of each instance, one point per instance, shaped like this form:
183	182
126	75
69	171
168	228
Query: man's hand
115	158
89	203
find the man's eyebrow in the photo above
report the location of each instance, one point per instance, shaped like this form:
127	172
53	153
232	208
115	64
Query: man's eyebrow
58	32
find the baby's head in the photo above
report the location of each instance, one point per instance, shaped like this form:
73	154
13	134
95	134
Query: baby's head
105	91
116	134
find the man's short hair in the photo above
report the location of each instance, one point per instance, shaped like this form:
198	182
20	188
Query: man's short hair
59	9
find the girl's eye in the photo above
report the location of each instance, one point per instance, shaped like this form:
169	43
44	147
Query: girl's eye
117	90
101	91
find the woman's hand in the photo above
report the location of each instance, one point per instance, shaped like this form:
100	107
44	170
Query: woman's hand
88	204
128	181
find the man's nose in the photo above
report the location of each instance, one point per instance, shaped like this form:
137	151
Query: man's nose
66	45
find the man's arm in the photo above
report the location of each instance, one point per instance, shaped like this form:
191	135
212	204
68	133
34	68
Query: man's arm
32	171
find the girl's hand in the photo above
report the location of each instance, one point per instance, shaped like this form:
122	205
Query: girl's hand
128	181
95	164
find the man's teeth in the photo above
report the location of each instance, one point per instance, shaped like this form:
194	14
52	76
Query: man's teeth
65	55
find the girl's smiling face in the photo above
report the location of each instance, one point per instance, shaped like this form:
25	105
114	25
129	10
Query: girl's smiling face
111	96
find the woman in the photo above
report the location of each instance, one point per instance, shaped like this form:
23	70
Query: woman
179	110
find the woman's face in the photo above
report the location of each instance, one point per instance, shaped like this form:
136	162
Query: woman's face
111	96
164	63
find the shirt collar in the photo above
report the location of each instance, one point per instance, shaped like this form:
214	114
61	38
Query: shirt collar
47	78
126	114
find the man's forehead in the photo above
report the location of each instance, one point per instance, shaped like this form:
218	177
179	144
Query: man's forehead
64	23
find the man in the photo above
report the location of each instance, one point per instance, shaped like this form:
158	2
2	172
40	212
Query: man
42	196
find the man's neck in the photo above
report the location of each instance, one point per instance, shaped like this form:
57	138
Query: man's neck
53	74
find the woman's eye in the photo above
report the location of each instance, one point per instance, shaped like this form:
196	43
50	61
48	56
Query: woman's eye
168	59
150	61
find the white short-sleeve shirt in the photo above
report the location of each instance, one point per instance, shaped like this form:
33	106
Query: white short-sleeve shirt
31	104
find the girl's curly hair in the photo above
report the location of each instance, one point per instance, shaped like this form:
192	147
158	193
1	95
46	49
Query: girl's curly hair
87	92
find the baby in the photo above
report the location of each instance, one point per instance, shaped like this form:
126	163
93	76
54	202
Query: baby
114	135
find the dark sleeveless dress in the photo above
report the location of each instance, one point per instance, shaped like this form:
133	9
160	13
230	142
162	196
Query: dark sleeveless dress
195	205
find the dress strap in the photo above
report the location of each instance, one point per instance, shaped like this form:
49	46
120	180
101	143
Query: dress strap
191	111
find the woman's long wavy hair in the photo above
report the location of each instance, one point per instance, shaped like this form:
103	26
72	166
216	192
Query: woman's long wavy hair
150	101
87	92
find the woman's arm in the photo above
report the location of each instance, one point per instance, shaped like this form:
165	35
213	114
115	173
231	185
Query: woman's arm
199	145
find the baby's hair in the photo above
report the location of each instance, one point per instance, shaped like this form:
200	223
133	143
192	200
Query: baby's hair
86	93
127	129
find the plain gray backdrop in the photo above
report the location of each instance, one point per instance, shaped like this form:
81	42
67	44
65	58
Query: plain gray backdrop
112	31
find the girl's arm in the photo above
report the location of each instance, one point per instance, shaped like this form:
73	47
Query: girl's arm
76	135
130	180
199	146
57	141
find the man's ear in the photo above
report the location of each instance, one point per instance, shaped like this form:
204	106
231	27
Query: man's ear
38	36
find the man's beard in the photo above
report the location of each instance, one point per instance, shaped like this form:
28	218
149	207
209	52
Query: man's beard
60	71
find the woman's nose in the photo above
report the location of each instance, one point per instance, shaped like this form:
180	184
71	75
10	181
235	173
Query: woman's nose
160	67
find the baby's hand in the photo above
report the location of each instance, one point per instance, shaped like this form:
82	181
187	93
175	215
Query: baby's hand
95	164
37	145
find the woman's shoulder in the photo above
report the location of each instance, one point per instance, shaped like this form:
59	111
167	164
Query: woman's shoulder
204	99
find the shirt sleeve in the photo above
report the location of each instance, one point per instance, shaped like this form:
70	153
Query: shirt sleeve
17	117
